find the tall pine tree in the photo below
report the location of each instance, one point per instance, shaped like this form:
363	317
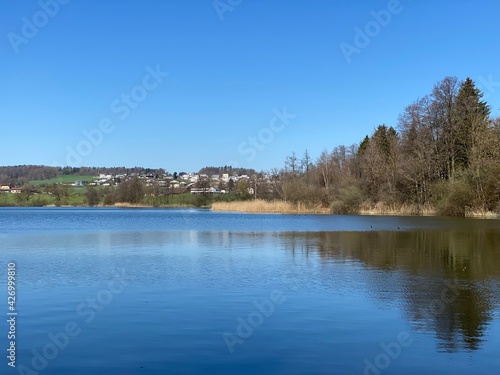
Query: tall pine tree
471	120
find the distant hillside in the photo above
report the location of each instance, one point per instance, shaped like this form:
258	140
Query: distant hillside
21	174
227	169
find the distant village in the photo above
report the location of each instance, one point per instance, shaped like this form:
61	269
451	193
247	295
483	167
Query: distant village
184	183
176	184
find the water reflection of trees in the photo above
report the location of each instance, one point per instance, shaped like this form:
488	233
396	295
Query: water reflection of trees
445	279
410	268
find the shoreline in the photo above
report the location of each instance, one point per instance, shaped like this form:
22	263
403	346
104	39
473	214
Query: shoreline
286	208
116	205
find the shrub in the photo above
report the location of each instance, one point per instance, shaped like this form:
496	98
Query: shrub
349	201
497	209
92	196
109	199
453	197
39	201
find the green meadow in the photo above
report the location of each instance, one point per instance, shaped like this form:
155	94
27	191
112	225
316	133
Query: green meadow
63	179
75	198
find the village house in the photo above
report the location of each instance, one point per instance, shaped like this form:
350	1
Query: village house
210	190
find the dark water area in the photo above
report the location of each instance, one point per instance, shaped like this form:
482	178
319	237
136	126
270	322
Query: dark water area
145	291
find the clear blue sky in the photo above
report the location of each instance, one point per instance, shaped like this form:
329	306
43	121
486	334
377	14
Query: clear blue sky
226	77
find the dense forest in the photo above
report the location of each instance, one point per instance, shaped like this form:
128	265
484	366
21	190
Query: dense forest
443	156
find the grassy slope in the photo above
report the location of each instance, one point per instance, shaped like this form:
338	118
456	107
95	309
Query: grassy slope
63	179
76	198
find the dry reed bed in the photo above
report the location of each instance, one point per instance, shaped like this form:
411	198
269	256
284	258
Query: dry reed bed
282	207
482	214
130	205
273	207
401	209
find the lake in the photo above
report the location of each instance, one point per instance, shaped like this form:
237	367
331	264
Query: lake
165	291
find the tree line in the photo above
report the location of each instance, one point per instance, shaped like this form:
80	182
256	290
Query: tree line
443	155
19	175
226	169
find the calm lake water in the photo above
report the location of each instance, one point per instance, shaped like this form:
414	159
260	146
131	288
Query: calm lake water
152	291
